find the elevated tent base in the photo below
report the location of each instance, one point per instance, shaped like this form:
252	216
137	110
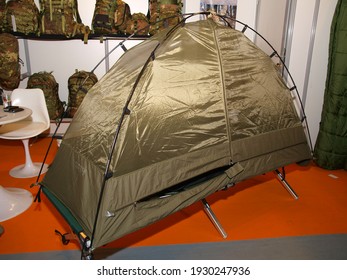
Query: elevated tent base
170	133
79	234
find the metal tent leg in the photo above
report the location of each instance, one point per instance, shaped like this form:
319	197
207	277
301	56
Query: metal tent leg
213	218
285	184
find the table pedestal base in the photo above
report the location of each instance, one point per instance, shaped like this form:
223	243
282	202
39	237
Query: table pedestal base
25	171
13	201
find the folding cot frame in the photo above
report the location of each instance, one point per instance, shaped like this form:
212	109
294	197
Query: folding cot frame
78	232
85	241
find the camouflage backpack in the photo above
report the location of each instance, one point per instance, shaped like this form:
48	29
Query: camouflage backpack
164	13
122	15
9	61
138	24
79	84
46	82
61	17
103	18
2	12
21	16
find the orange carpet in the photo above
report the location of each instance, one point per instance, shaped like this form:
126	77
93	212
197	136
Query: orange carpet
257	208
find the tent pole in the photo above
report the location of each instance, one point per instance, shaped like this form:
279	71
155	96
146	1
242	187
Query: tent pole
213	218
282	179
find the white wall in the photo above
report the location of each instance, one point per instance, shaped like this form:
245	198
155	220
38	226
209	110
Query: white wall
319	66
270	25
246	12
298	63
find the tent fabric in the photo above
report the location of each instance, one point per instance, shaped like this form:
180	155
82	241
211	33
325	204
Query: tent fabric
177	118
331	146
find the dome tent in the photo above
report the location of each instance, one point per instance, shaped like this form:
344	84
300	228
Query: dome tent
177	118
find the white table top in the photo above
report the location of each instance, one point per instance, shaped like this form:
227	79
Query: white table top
6	117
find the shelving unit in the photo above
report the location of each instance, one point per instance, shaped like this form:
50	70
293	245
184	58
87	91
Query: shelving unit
105	39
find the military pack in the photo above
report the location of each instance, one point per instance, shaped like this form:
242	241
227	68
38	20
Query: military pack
61	17
104	15
79	84
2	12
164	13
21	16
122	15
110	17
138	24
47	83
9	60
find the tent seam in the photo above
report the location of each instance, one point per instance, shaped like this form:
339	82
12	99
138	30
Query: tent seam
224	90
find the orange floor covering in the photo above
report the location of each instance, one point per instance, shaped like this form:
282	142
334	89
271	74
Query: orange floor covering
257	208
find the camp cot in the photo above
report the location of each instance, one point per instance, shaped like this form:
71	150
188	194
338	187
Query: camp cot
183	114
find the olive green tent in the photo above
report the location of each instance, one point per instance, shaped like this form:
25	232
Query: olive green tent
177	118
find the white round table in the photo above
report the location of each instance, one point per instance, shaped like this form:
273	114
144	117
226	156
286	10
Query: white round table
6	117
13	201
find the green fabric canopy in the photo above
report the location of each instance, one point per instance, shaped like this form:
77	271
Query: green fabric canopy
177	118
331	146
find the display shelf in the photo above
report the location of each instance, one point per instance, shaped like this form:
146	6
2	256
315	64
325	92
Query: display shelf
91	36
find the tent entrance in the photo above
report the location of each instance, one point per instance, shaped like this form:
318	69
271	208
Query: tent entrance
186	185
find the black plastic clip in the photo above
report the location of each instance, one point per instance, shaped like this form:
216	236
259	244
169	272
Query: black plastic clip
123	47
244	29
109	175
63	237
126	111
273	54
153	56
